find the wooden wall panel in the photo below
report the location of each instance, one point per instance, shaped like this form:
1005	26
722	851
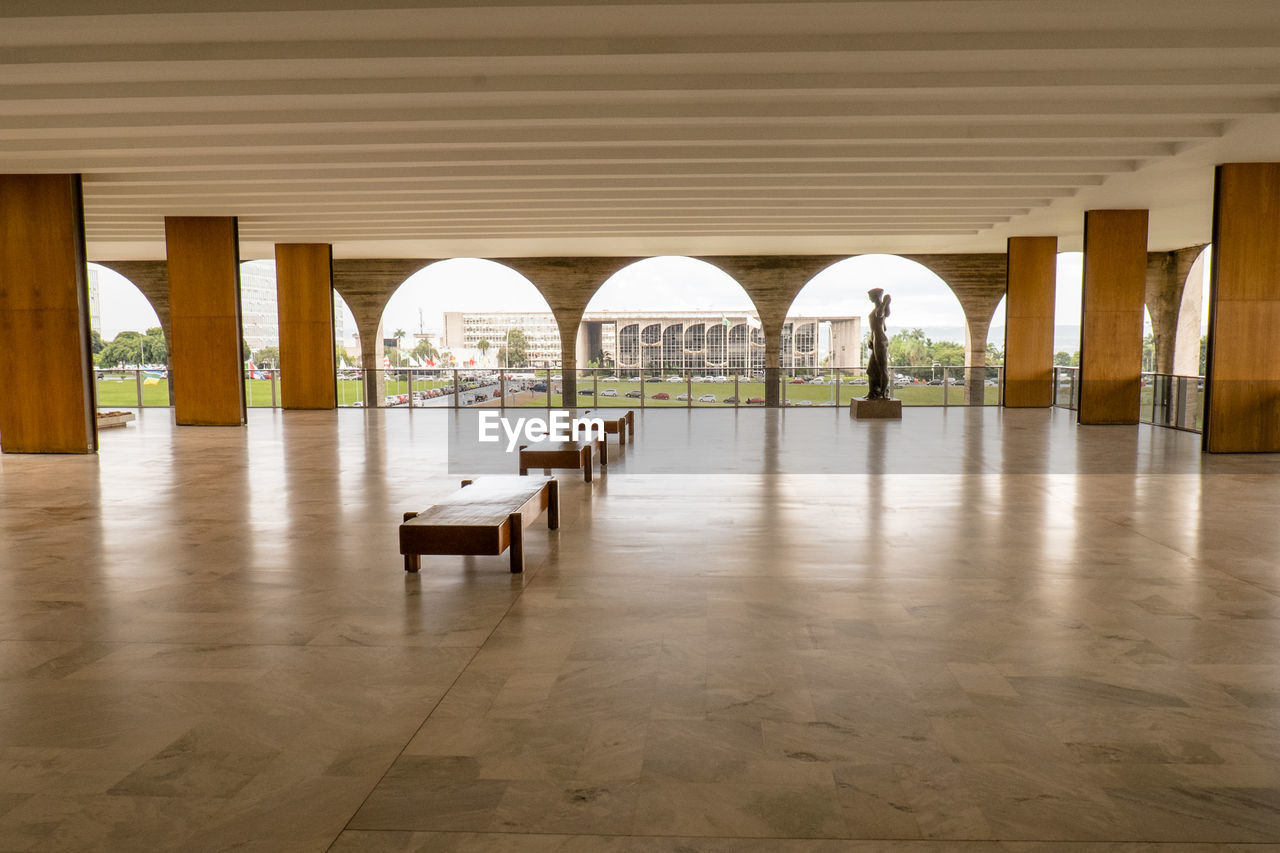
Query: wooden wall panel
1242	402
1115	270
304	299
204	310
1029	314
48	403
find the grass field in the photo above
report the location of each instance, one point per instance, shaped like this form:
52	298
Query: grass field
121	391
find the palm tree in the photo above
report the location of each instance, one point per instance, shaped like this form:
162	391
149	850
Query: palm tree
483	345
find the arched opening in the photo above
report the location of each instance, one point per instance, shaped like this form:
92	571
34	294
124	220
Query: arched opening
1190	341
470	332
260	333
825	336
130	350
670	331
346	351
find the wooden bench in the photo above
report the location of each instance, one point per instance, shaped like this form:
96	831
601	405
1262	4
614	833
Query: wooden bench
562	454
486	516
621	426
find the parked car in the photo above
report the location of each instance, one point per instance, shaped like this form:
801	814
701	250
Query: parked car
804	402
675	379
661	395
538	386
479	398
731	399
682	397
609	392
796	381
585	392
633	394
755	401
707	398
609	379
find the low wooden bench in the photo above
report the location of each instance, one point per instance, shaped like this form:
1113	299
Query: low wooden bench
621	426
562	454
486	516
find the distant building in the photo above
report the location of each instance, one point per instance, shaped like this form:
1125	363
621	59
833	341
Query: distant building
699	341
95	302
258	319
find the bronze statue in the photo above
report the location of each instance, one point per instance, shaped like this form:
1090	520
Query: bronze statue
878	363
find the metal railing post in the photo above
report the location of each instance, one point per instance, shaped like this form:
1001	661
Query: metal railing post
273	375
502	388
137	379
946	387
457	391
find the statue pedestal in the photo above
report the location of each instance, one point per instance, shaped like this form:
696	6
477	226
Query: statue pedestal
863	410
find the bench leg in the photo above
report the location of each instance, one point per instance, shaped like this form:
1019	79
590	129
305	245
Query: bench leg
412	562
586	463
604	452
553	505
517	542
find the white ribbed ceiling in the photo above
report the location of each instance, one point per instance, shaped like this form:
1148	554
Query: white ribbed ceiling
698	127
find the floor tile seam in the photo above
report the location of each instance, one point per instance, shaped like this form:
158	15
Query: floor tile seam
461	671
941	841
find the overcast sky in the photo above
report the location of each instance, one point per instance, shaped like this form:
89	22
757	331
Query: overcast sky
469	284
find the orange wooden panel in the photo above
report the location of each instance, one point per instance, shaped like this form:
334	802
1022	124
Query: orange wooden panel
1242	405
1029	308
304	299
204	313
48	403
1115	269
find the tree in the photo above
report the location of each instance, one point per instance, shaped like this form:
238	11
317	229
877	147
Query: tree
96	342
134	348
267	357
245	352
483	345
425	351
398	334
513	354
910	348
1149	353
949	353
1066	359
995	355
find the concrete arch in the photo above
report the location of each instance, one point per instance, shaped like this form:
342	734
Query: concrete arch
152	280
607	269
1191	318
366	285
1166	278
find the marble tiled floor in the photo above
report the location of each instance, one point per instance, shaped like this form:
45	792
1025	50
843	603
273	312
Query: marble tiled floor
207	642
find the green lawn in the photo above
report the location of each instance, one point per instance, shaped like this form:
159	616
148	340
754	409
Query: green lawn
122	393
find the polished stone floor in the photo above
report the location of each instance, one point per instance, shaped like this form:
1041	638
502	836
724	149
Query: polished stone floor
979	630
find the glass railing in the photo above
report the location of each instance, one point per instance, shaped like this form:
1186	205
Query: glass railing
262	388
605	387
1066	387
132	388
423	388
1165	400
1173	401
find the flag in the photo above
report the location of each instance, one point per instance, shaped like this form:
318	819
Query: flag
386	363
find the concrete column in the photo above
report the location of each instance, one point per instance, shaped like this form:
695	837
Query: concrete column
568	360
48	404
204	307
1242	392
1115	264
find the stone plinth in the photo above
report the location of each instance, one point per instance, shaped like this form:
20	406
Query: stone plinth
876	410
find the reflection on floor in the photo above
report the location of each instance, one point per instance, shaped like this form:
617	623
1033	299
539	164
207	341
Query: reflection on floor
207	642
